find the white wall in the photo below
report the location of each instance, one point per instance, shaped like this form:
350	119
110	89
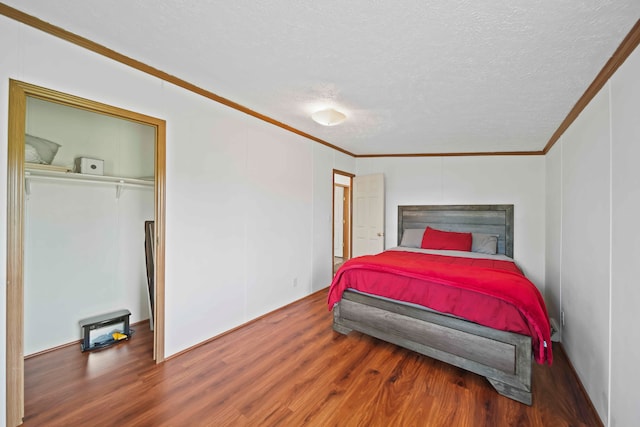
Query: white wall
553	224
84	256
341	179
625	243
593	248
517	180
127	148
248	204
585	246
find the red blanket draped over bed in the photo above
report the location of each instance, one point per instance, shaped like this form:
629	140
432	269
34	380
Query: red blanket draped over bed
488	292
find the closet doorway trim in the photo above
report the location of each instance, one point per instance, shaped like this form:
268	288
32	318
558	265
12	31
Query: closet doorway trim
18	93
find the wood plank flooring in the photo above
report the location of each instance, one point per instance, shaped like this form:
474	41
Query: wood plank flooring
287	369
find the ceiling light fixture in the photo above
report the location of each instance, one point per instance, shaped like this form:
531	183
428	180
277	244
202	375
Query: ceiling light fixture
328	117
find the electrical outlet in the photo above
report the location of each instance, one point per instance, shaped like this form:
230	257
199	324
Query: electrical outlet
295	282
562	317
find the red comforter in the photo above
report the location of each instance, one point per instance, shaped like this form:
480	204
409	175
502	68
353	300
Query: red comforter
488	292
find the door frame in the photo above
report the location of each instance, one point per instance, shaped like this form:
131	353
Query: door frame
347	214
18	93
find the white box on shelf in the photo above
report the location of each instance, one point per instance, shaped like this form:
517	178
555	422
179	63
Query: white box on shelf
89	166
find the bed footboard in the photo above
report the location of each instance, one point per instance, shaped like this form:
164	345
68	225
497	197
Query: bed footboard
504	358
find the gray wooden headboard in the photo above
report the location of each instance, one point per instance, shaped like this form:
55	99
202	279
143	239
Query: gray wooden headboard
488	219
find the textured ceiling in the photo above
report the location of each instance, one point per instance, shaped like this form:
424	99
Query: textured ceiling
414	76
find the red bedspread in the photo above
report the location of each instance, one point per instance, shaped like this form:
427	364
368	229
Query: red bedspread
488	292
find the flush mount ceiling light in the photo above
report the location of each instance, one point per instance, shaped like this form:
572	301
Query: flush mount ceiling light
328	117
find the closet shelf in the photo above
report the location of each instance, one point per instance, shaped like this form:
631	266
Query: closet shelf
49	175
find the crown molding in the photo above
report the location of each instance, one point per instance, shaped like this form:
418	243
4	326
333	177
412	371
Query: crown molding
469	154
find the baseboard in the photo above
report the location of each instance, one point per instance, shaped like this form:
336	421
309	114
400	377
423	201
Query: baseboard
580	385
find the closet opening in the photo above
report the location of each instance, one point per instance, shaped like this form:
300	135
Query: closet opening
82	179
342	200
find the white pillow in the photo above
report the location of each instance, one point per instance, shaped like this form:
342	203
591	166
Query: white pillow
484	243
412	237
46	149
31	154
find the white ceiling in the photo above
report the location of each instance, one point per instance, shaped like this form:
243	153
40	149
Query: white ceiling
413	76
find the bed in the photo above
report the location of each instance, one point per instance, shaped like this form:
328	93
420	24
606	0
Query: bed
503	357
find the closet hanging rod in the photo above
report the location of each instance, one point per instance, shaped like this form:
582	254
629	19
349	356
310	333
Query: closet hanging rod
119	182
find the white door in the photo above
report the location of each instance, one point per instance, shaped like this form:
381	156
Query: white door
368	214
338	220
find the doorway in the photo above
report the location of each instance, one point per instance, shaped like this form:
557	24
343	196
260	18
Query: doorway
19	94
342	199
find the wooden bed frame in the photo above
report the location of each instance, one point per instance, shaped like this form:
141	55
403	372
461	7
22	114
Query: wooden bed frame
504	358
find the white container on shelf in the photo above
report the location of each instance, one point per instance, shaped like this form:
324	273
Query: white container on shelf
89	166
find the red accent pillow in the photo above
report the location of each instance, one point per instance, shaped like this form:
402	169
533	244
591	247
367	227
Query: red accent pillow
450	240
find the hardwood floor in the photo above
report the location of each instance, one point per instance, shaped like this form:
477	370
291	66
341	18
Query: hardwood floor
288	368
